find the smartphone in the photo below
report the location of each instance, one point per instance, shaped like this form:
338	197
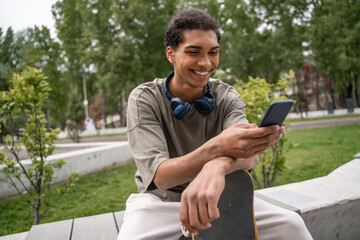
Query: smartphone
276	113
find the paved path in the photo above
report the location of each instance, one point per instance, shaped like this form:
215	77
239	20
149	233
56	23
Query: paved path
96	139
323	123
294	125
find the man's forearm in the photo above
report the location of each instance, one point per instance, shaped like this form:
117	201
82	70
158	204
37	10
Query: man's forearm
176	171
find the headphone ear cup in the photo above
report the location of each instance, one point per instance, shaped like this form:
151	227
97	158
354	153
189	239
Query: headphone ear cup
205	104
179	107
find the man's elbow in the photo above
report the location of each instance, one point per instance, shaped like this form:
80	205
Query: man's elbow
160	184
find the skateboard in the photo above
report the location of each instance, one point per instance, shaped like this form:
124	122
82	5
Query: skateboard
236	206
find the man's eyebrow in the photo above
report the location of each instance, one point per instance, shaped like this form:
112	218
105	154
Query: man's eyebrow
200	48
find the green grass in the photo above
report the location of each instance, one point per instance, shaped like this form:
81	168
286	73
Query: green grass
350	115
100	192
104	135
317	152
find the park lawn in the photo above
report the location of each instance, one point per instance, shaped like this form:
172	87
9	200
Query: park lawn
316	153
319	151
352	115
101	192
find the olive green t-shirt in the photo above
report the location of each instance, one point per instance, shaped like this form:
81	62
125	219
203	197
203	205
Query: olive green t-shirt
155	135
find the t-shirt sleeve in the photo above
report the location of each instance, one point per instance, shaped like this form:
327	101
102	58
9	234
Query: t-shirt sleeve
146	137
234	109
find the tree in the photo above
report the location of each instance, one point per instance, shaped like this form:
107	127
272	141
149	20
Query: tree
262	38
137	54
8	57
123	61
75	116
28	95
38	49
72	28
335	34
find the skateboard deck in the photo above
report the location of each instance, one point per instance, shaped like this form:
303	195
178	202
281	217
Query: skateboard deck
236	206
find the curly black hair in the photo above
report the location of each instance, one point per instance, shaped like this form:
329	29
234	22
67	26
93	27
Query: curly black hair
188	19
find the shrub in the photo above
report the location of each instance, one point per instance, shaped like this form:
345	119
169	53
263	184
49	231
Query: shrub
27	97
258	95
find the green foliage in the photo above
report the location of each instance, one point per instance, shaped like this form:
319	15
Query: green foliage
28	95
261	38
121	40
8	57
258	95
334	34
38	49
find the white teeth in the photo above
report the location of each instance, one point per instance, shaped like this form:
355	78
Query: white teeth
201	73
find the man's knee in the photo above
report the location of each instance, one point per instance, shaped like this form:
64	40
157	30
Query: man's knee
294	221
294	225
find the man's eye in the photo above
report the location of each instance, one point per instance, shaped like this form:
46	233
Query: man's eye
192	52
214	53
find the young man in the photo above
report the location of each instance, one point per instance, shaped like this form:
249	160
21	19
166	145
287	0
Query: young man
188	131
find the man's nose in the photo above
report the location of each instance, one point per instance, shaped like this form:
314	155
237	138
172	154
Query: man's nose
204	61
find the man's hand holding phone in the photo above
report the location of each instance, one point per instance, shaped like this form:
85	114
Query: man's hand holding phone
276	114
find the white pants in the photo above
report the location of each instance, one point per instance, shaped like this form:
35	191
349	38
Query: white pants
147	217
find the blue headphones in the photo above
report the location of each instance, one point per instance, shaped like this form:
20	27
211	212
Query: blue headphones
204	105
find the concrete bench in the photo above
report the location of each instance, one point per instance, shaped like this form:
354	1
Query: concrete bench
329	205
101	155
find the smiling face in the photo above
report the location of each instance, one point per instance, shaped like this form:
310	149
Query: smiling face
195	60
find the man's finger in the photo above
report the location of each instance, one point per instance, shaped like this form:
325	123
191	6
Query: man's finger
203	212
184	216
213	212
257	133
194	221
265	145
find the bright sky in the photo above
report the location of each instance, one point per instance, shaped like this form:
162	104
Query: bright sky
20	14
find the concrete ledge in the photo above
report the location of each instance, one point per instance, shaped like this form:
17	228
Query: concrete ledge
64	134
323	113
258	194
17	236
330	205
99	156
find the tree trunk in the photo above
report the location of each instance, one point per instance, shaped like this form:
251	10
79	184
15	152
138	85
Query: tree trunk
104	115
332	92
356	91
123	105
119	107
36	211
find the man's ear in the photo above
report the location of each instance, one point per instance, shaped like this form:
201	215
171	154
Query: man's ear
170	54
